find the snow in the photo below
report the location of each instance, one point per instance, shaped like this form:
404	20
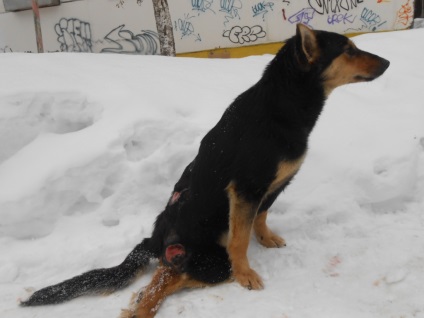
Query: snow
91	146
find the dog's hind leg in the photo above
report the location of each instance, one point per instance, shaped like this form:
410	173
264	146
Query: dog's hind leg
204	266
165	282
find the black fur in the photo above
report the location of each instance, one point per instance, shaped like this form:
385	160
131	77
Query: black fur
267	124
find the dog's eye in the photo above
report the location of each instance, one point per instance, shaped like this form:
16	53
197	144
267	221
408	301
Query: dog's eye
350	51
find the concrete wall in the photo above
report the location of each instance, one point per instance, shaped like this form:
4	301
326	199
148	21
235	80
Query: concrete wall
114	26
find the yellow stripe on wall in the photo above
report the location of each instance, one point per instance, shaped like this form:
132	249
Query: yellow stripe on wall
243	51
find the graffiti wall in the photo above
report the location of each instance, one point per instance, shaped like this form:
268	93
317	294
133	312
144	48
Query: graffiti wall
129	27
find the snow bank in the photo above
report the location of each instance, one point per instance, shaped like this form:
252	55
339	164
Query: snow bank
91	146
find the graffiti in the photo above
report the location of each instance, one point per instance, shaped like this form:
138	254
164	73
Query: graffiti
261	8
121	3
202	5
6	49
303	16
284	14
244	34
186	28
73	35
333	6
337	18
405	14
371	19
125	42
231	9
287	2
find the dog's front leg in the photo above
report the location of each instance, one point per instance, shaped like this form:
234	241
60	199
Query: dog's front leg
263	233
242	215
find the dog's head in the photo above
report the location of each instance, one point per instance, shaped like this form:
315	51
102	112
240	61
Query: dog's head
336	58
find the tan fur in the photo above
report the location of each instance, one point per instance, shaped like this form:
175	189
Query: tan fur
223	240
263	233
309	43
345	68
285	170
165	281
242	214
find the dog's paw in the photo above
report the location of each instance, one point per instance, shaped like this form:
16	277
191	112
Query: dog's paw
249	278
271	240
126	313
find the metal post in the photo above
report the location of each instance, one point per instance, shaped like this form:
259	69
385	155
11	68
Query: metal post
38	35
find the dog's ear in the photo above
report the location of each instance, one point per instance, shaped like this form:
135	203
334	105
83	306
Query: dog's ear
308	42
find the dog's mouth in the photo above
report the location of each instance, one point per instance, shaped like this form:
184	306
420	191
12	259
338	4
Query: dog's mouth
377	72
361	78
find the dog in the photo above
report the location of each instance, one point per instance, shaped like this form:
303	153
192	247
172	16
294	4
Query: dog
243	164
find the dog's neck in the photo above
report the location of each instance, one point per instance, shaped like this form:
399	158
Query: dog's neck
295	95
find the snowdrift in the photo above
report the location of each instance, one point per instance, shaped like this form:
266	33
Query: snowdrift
91	145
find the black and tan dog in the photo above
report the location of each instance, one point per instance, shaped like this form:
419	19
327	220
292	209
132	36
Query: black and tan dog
243	163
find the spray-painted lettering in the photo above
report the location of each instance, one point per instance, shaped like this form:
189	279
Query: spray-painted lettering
338	18
371	19
202	5
303	16
333	6
231	9
244	34
405	14
74	35
125	42
261	8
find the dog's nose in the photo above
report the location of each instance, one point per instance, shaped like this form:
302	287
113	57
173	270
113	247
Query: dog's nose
384	64
381	67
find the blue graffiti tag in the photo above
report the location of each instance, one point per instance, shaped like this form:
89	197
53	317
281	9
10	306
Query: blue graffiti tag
231	9
303	16
186	28
371	19
262	8
202	5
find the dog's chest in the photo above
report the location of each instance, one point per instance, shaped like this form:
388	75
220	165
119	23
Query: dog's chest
284	171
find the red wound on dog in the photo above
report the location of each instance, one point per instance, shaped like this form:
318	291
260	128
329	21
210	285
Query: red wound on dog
175	197
173	251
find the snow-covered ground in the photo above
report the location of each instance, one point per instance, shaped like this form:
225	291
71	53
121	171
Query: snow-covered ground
91	145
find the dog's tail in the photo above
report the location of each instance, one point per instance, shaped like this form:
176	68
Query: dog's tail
97	281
